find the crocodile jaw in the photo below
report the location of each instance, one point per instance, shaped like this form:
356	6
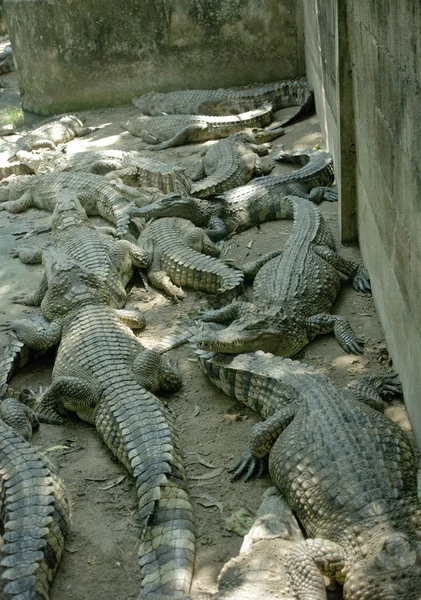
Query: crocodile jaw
235	341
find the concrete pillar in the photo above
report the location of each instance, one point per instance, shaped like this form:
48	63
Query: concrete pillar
345	161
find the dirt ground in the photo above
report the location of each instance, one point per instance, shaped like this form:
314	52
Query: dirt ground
100	560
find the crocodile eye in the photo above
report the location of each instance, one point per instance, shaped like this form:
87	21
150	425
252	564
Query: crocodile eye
256	325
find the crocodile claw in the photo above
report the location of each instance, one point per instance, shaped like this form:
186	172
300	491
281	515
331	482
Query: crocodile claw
353	345
330	195
14	252
250	466
389	384
361	280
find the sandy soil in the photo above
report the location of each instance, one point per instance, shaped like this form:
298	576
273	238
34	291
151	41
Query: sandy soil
100	560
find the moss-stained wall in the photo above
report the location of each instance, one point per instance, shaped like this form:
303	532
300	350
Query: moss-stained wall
75	54
384	46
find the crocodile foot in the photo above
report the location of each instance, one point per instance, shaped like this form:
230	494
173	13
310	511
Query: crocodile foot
361	280
250	466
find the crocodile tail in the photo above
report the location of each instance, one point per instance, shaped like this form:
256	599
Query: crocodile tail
15	356
35	510
136	428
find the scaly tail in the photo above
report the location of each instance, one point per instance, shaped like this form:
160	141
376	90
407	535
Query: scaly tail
135	426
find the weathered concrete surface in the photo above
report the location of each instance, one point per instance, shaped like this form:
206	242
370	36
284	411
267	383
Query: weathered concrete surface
73	54
384	48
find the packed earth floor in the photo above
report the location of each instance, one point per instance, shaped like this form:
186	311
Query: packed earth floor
100	559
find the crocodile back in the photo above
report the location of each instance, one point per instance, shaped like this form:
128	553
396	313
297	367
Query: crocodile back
298	277
225	101
341	464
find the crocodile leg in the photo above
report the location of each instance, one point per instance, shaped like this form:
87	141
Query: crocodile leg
160	280
370	390
182	137
264	435
306	563
68	394
358	273
36	336
29	256
217	229
320	193
251	268
133	318
325	323
19	205
221	315
141	256
36	297
154	372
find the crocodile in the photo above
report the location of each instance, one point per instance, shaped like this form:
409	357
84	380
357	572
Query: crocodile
103	373
94	192
183	255
292	294
261	200
233	161
349	473
167	131
112	260
7	64
54	133
227	102
34	509
260	570
130	166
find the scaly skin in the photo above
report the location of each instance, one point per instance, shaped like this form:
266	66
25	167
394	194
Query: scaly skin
167	131
6	61
260	570
233	161
183	255
349	474
131	167
261	200
101	373
292	295
111	260
34	510
51	134
93	191
228	102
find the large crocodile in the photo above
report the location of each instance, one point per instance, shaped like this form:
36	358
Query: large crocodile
263	199
183	255
94	192
167	131
34	509
111	260
101	372
51	134
130	166
292	295
228	102
233	161
349	473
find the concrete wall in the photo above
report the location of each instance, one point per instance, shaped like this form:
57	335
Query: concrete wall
73	54
383	47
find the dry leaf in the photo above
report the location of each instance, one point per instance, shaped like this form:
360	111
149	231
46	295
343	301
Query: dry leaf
250	244
113	482
204	462
196	410
208	501
54	448
210	475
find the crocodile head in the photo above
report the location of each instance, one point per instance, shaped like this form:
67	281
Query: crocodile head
68	211
71	121
278	334
258	135
389	569
170	205
69	284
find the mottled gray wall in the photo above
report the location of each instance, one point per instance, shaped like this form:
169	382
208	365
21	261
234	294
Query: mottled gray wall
74	54
384	44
